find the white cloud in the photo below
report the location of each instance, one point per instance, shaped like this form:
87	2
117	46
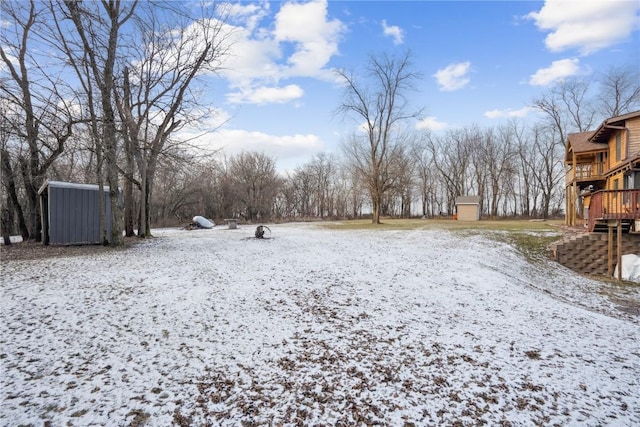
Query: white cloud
431	123
314	37
266	95
558	70
587	25
300	43
454	76
394	32
508	113
248	14
282	147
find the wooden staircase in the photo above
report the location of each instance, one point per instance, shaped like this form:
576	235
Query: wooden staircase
603	226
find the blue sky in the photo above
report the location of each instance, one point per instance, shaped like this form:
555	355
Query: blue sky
482	63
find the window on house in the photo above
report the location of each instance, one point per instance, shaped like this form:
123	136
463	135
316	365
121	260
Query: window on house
618	147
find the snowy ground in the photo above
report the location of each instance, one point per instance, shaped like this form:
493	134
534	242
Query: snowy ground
312	327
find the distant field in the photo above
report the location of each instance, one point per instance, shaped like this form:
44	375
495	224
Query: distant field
447	224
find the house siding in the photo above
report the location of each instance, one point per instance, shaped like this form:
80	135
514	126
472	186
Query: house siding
634	137
612	179
615	160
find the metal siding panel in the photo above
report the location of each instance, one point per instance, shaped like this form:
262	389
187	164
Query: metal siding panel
53	214
67	215
76	218
92	217
58	209
89	212
107	215
70	215
81	201
59	212
87	201
84	202
74	214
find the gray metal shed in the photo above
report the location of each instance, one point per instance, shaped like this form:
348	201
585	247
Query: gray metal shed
71	213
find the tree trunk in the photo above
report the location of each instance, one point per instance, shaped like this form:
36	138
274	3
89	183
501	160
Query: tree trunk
6	221
12	193
142	228
33	212
128	192
376	203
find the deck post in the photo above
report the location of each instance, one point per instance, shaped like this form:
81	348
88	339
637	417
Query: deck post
619	249
609	249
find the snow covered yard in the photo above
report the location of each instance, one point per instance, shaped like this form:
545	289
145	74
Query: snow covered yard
312	327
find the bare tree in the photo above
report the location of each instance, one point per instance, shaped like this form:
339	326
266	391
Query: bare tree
620	91
303	185
452	159
255	183
425	172
498	154
322	169
158	94
400	195
567	108
98	27
38	119
545	164
380	109
12	207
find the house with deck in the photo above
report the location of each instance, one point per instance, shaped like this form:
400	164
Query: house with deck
603	175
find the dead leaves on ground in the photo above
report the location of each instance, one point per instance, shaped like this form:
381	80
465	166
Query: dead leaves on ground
341	369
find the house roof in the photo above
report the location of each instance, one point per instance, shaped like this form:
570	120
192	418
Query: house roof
593	141
602	133
581	143
467	200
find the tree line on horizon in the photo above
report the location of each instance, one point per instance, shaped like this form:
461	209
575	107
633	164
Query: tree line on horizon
136	82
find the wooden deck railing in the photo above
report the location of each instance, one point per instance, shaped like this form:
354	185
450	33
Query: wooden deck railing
585	171
614	204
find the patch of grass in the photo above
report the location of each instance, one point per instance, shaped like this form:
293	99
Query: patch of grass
365	224
531	238
534	246
442	224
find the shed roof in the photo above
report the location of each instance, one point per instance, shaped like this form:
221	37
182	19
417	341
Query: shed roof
468	200
62	184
